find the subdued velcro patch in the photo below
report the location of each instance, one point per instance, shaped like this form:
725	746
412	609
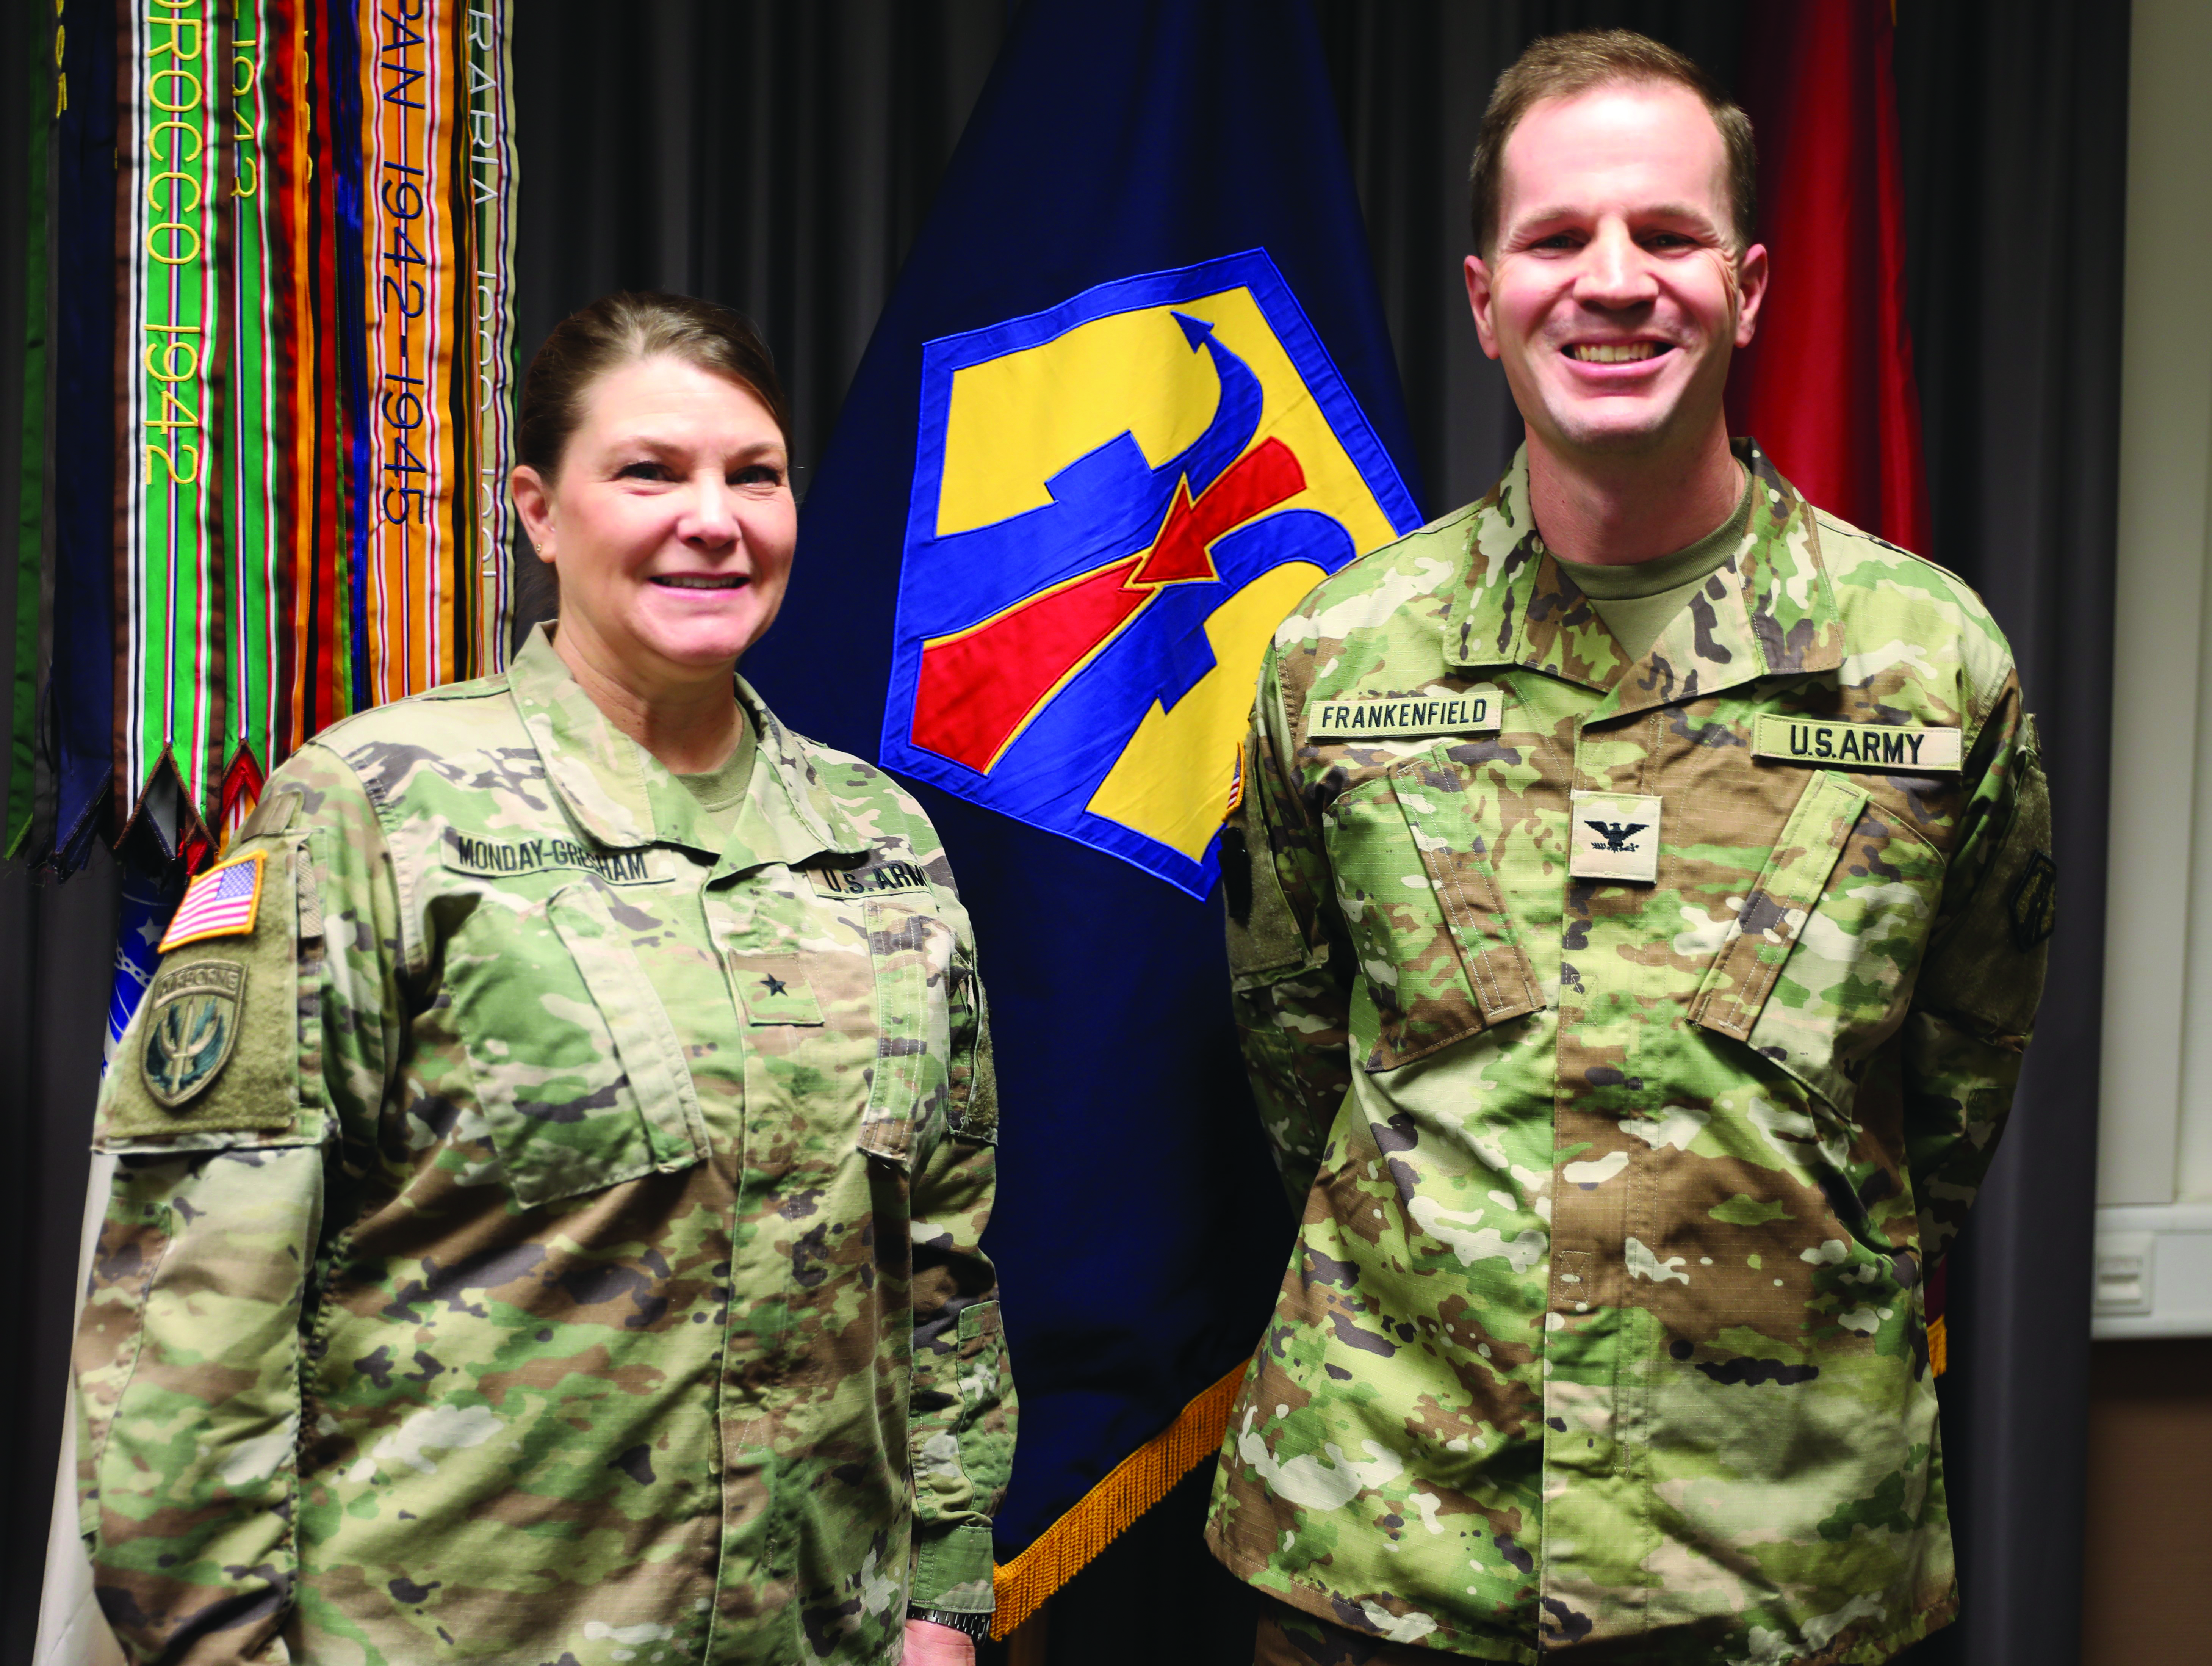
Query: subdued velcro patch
1988	972
274	814
215	1046
979	1116
191	1025
2033	901
1263	933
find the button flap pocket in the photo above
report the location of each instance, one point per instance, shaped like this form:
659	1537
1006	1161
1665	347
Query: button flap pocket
1411	974
1432	795
910	950
644	1041
580	1073
1735	987
1819	964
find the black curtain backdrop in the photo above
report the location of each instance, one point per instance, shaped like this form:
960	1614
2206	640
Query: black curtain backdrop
2014	129
57	944
780	156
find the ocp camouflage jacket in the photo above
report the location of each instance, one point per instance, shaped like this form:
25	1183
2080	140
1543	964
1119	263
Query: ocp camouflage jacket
1605	1324
572	1256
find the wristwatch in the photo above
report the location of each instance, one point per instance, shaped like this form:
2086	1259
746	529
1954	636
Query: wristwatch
977	1626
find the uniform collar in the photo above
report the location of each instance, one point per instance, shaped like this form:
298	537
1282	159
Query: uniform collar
1769	611
623	797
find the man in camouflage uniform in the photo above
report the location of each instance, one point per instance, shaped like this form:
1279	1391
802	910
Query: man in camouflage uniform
546	1229
1634	1003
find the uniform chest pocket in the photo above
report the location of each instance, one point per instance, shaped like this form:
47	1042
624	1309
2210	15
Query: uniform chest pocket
580	1072
1817	969
1438	952
910	956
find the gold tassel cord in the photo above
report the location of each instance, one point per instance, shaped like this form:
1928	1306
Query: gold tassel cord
1135	1485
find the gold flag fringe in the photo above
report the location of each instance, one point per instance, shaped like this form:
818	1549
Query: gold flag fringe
1136	1484
1939	1346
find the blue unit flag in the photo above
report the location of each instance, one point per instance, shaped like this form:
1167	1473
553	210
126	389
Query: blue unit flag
1131	397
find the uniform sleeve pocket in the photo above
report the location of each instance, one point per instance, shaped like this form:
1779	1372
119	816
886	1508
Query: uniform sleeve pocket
1768	921
111	1329
910	952
1816	969
974	1104
581	1075
984	1442
1265	942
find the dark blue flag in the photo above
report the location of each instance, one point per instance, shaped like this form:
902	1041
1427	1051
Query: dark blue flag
1131	397
82	712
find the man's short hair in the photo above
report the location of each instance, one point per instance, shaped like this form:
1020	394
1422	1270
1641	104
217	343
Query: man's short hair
1561	65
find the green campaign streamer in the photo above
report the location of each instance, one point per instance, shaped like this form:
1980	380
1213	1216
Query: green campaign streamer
254	567
167	715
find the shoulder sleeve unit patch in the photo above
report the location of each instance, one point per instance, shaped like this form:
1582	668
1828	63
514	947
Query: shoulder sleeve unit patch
2034	901
190	1027
215	1048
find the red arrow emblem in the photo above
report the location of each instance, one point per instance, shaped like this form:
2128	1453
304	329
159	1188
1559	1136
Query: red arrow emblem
980	688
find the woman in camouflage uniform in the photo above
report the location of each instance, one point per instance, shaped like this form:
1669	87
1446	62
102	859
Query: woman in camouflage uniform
546	1224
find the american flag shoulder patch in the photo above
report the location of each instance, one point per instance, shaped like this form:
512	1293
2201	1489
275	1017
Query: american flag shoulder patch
221	902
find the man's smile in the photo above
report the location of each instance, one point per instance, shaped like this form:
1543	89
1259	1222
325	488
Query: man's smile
1617	352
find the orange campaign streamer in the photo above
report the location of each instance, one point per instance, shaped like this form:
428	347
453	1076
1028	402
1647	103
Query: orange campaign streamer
417	500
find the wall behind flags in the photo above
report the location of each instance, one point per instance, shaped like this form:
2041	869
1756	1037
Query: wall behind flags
780	154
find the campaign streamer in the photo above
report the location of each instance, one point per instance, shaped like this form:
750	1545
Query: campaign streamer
257	396
415	305
491	185
168	702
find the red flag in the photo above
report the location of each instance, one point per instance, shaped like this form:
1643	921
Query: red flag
1827	385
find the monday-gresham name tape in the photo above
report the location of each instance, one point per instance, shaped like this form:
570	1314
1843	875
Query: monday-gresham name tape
1472	711
1865	746
500	858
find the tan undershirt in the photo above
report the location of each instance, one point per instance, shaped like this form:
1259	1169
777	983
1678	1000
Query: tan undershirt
720	791
1637	601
